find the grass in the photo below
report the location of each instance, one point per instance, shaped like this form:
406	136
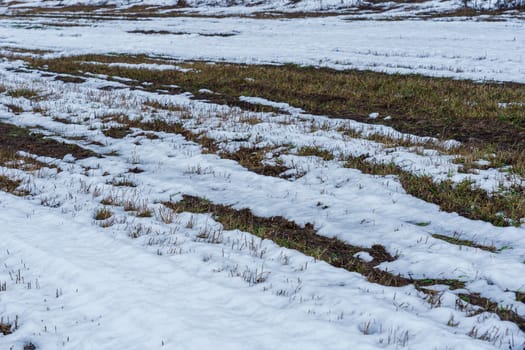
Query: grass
251	158
520	297
464	242
102	214
26	93
331	250
444	108
8	327
122	182
14	138
11	186
11	159
117	132
505	313
464	110
440	107
505	208
304	239
315	151
5	328
501	209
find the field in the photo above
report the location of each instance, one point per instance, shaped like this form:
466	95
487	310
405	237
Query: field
262	176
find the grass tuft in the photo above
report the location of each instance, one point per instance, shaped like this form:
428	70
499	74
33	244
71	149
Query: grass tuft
102	214
315	151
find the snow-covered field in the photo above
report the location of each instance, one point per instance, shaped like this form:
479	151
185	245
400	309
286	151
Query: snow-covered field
161	282
458	49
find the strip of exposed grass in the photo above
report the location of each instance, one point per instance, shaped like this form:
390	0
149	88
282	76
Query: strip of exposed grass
501	209
251	158
117	132
464	242
505	313
331	250
14	138
315	151
304	239
438	107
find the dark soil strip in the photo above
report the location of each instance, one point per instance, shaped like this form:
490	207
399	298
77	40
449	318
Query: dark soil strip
15	138
331	250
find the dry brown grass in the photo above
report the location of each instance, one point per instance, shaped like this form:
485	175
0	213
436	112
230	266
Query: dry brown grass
315	151
102	214
5	328
14	139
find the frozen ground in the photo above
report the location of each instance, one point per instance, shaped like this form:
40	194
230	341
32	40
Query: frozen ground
131	282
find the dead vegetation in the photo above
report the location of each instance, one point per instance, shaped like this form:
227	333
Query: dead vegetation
14	139
5	328
117	132
11	186
102	214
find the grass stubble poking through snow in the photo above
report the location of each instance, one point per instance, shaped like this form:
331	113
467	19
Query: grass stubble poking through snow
438	103
123	186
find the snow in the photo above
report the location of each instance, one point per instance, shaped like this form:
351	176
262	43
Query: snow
85	286
457	49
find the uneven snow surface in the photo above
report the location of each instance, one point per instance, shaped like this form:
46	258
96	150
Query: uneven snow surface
151	283
458	49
